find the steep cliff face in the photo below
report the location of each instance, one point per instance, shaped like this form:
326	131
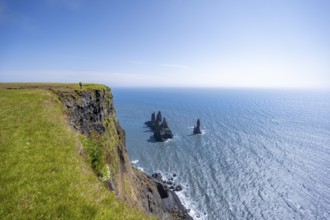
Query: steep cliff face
42	174
87	110
91	112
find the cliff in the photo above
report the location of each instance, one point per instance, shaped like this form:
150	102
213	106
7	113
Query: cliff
47	168
95	139
91	112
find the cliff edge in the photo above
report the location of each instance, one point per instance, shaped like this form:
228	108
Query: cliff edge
91	112
47	168
63	155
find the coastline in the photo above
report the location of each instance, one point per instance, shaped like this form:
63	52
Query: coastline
91	112
182	197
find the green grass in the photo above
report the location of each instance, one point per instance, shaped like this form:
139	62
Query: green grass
42	175
57	86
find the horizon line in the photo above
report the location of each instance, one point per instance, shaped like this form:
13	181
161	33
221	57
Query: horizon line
178	87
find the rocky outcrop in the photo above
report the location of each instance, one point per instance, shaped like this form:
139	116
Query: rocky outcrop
159	199
87	110
197	128
91	112
160	127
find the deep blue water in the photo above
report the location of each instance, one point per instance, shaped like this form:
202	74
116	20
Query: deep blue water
264	154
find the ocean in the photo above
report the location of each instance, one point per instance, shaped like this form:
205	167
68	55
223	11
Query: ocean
263	154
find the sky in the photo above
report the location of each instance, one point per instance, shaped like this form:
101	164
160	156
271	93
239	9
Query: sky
167	43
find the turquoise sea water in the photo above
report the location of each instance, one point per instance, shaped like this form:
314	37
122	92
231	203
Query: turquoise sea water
264	154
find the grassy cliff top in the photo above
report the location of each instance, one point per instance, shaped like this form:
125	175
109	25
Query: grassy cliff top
53	86
42	175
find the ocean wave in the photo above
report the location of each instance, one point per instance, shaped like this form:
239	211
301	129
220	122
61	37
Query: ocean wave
168	140
140	168
184	195
134	161
190	204
175	138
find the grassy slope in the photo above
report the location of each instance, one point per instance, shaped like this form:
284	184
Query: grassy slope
42	175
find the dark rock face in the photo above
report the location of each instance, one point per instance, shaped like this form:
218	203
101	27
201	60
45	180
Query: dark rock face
170	201
158	198
157	176
162	190
197	129
160	127
87	110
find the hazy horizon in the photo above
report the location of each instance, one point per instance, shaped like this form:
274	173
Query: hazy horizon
148	87
173	43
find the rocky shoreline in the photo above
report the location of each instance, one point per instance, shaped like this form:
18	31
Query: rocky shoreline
169	183
158	198
167	187
170	199
161	198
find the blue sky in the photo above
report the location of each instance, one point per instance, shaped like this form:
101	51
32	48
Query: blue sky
167	43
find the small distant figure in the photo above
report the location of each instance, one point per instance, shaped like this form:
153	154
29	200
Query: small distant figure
197	129
80	84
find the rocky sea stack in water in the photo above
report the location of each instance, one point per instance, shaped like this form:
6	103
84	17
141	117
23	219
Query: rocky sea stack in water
197	129
160	127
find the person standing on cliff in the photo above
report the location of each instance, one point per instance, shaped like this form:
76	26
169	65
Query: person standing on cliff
80	84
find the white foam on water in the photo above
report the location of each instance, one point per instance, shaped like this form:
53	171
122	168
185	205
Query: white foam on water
184	197
175	137
134	161
140	168
189	204
168	140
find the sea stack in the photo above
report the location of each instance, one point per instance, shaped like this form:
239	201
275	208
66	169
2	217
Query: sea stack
197	129
160	127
